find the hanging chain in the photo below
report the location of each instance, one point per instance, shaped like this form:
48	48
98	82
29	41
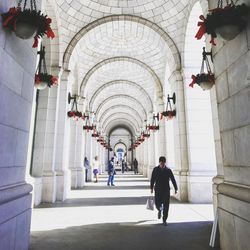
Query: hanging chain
169	104
231	2
32	4
19	4
42	62
205	61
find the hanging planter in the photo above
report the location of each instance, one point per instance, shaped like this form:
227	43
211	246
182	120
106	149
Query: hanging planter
169	113
95	134
146	135
88	127
27	22
154	126
204	80
227	21
74	113
42	78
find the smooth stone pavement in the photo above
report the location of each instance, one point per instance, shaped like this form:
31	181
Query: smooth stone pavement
102	217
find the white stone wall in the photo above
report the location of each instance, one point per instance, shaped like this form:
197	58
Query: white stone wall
231	64
18	61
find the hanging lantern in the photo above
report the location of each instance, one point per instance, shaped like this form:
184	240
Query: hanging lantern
226	21
204	80
42	78
169	113
27	22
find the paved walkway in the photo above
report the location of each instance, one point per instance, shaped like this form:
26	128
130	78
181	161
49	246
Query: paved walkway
115	218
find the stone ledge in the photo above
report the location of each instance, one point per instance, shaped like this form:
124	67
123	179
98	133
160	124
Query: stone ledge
235	191
14	192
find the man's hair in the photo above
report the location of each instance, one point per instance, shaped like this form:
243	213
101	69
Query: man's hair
162	159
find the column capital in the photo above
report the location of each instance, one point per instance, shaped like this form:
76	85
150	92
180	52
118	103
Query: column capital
175	76
64	74
55	70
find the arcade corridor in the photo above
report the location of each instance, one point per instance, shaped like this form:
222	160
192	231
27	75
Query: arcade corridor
86	81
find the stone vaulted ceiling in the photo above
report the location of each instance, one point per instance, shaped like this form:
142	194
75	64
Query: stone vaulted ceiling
120	50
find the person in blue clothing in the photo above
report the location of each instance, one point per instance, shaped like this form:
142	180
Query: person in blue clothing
111	172
160	184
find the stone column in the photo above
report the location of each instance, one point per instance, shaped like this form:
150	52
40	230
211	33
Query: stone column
161	135
88	153
79	156
76	159
231	65
16	88
151	150
180	137
219	178
145	157
62	136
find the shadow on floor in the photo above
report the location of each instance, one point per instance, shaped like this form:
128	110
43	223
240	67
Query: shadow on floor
107	201
126	236
118	186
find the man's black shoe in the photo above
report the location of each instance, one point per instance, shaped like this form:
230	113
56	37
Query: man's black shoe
159	214
165	223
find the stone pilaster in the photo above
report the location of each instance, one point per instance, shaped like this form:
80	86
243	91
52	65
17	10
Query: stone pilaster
62	133
145	158
180	137
89	153
161	134
48	175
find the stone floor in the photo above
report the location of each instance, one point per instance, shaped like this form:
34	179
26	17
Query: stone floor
103	217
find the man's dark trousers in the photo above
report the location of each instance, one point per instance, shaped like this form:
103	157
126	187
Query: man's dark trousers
162	198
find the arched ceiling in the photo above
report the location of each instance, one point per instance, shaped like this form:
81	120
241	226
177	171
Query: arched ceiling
120	50
76	14
124	102
121	88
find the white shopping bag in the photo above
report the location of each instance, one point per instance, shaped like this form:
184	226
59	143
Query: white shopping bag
150	203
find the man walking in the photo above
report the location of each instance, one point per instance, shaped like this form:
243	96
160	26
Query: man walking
160	184
111	172
135	166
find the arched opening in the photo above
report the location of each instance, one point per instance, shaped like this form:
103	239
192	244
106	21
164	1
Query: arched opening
199	119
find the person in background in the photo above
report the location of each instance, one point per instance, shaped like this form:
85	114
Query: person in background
135	166
87	167
96	165
123	166
111	172
160	184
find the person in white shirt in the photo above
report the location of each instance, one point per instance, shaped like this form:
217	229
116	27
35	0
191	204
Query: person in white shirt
96	165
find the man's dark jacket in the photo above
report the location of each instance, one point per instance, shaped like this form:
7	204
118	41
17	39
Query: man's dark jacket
160	178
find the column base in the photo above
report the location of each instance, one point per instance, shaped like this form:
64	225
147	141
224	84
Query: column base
181	179
15	217
200	186
49	187
234	216
77	177
62	185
